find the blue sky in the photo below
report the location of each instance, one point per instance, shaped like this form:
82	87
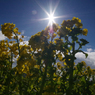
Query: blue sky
25	14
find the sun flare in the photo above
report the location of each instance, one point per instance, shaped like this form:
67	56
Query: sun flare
51	16
51	19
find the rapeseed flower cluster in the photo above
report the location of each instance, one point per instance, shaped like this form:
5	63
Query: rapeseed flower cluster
83	63
14	48
63	31
38	41
7	29
77	22
84	32
49	93
60	57
4	53
71	26
59	65
25	60
59	43
88	72
93	71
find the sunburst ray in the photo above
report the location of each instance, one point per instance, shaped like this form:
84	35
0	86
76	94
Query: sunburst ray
51	16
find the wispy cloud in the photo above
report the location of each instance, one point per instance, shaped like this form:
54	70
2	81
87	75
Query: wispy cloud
88	46
22	32
25	39
2	37
89	49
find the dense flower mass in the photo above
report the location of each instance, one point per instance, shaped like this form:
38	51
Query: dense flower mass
7	29
4	50
46	65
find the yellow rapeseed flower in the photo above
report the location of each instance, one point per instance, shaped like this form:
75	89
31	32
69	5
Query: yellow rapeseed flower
54	79
22	36
83	62
84	32
54	35
59	65
0	85
66	52
7	29
65	63
37	66
94	86
88	68
10	82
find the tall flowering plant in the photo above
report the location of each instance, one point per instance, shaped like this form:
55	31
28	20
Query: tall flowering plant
46	66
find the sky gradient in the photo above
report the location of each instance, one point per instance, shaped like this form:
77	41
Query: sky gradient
26	14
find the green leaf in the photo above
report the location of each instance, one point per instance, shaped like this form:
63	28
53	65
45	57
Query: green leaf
86	55
31	86
74	38
70	48
84	42
83	79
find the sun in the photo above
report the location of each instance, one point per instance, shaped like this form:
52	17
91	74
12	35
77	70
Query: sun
51	16
51	19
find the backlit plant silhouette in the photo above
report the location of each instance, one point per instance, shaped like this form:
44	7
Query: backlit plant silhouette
46	66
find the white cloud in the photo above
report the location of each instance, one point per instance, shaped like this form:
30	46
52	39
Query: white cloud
2	37
24	42
90	60
89	49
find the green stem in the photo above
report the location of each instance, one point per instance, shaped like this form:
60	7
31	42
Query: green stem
11	58
20	78
17	42
71	72
43	81
20	87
